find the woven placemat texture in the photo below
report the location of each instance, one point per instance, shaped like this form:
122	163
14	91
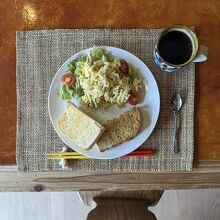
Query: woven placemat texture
39	56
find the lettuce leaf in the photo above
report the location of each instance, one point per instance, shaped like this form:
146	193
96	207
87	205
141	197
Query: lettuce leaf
97	53
71	67
132	73
65	92
78	89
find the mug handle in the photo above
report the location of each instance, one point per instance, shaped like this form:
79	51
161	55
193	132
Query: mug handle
202	54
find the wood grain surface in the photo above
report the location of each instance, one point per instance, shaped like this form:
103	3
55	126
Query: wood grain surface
188	205
203	176
120	209
151	197
31	14
174	205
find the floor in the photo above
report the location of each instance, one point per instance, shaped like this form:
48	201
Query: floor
174	205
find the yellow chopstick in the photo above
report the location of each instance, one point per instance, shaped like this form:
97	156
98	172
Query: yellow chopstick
63	154
68	157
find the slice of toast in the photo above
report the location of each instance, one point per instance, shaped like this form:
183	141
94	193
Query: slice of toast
120	129
79	127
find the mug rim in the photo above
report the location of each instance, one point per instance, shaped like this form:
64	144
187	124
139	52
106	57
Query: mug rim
194	39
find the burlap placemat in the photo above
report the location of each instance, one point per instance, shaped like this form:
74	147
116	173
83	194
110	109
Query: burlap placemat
41	53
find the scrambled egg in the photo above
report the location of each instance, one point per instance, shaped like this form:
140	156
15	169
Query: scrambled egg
103	83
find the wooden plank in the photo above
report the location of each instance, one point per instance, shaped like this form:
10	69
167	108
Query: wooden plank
188	205
42	206
204	175
174	205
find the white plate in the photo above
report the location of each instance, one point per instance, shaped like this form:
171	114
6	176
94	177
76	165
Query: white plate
149	107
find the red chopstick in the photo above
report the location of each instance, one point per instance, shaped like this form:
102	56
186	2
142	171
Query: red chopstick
140	153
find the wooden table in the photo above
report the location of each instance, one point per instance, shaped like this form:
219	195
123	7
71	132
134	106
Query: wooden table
31	15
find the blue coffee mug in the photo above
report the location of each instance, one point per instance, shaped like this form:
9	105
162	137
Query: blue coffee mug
199	52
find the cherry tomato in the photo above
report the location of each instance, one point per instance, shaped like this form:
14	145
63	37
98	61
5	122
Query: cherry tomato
134	98
124	66
68	79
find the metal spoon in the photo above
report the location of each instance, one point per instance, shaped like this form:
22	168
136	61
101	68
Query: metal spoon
175	106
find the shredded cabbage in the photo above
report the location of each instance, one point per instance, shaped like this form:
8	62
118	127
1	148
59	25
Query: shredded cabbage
99	82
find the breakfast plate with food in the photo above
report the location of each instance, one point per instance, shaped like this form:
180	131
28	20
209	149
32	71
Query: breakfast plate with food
104	102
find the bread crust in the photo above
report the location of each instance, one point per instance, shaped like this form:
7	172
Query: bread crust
120	129
79	127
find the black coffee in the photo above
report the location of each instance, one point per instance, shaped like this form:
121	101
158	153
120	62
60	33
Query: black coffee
175	47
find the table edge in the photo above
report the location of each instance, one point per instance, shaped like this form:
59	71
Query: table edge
205	174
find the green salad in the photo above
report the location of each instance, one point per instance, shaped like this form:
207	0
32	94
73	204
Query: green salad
99	79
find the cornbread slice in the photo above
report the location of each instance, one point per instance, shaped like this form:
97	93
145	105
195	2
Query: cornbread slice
79	127
120	129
